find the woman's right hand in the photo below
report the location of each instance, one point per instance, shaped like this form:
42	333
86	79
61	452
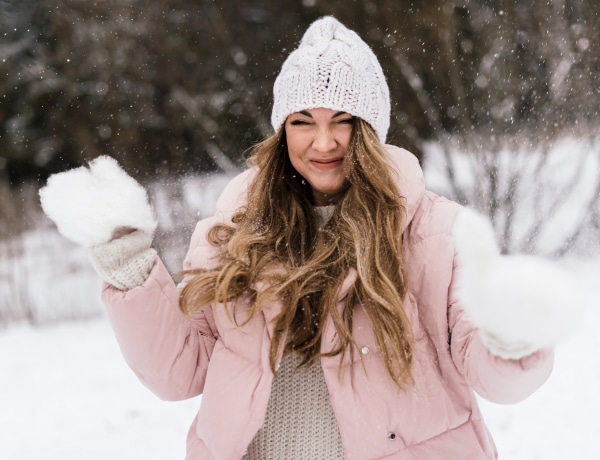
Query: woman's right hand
89	204
105	210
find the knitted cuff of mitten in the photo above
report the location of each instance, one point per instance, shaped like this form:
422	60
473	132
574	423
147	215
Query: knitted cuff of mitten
505	349
124	262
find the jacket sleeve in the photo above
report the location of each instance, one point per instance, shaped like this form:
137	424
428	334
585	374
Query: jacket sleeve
167	350
495	379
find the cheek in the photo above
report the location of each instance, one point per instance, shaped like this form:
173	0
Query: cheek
343	134
345	139
296	152
295	158
293	145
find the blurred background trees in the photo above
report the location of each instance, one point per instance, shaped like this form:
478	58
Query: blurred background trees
186	85
172	88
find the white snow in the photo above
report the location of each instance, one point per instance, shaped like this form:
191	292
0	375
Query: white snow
67	394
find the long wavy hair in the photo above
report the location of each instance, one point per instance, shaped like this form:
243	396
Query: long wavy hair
275	239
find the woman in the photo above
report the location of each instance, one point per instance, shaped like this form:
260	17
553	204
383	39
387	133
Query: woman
332	307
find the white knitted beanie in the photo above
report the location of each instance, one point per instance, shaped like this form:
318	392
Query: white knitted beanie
333	68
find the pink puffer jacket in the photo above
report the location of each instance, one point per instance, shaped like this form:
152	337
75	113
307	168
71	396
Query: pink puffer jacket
438	418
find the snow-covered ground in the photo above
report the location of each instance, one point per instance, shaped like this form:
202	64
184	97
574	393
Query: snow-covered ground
65	393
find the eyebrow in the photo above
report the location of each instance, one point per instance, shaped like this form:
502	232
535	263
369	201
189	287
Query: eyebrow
335	115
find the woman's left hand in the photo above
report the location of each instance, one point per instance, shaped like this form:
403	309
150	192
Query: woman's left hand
519	303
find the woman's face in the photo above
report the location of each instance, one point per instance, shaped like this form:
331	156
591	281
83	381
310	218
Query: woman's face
317	141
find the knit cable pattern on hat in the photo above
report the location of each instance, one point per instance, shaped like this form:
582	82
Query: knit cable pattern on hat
333	68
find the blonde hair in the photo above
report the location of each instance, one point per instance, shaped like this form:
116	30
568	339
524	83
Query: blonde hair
275	239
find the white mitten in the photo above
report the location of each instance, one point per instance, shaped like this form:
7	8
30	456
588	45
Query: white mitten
519	303
89	204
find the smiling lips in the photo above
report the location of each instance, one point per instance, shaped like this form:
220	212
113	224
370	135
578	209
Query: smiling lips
327	163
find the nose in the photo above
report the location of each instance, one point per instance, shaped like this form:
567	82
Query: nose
324	140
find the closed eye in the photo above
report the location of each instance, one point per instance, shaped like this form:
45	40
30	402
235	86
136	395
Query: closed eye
347	120
299	122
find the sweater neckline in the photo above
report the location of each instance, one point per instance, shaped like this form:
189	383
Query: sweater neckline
323	214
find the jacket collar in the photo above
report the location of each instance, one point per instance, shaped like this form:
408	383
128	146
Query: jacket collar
409	179
411	185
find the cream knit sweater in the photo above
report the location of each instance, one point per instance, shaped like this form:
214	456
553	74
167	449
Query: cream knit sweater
299	423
